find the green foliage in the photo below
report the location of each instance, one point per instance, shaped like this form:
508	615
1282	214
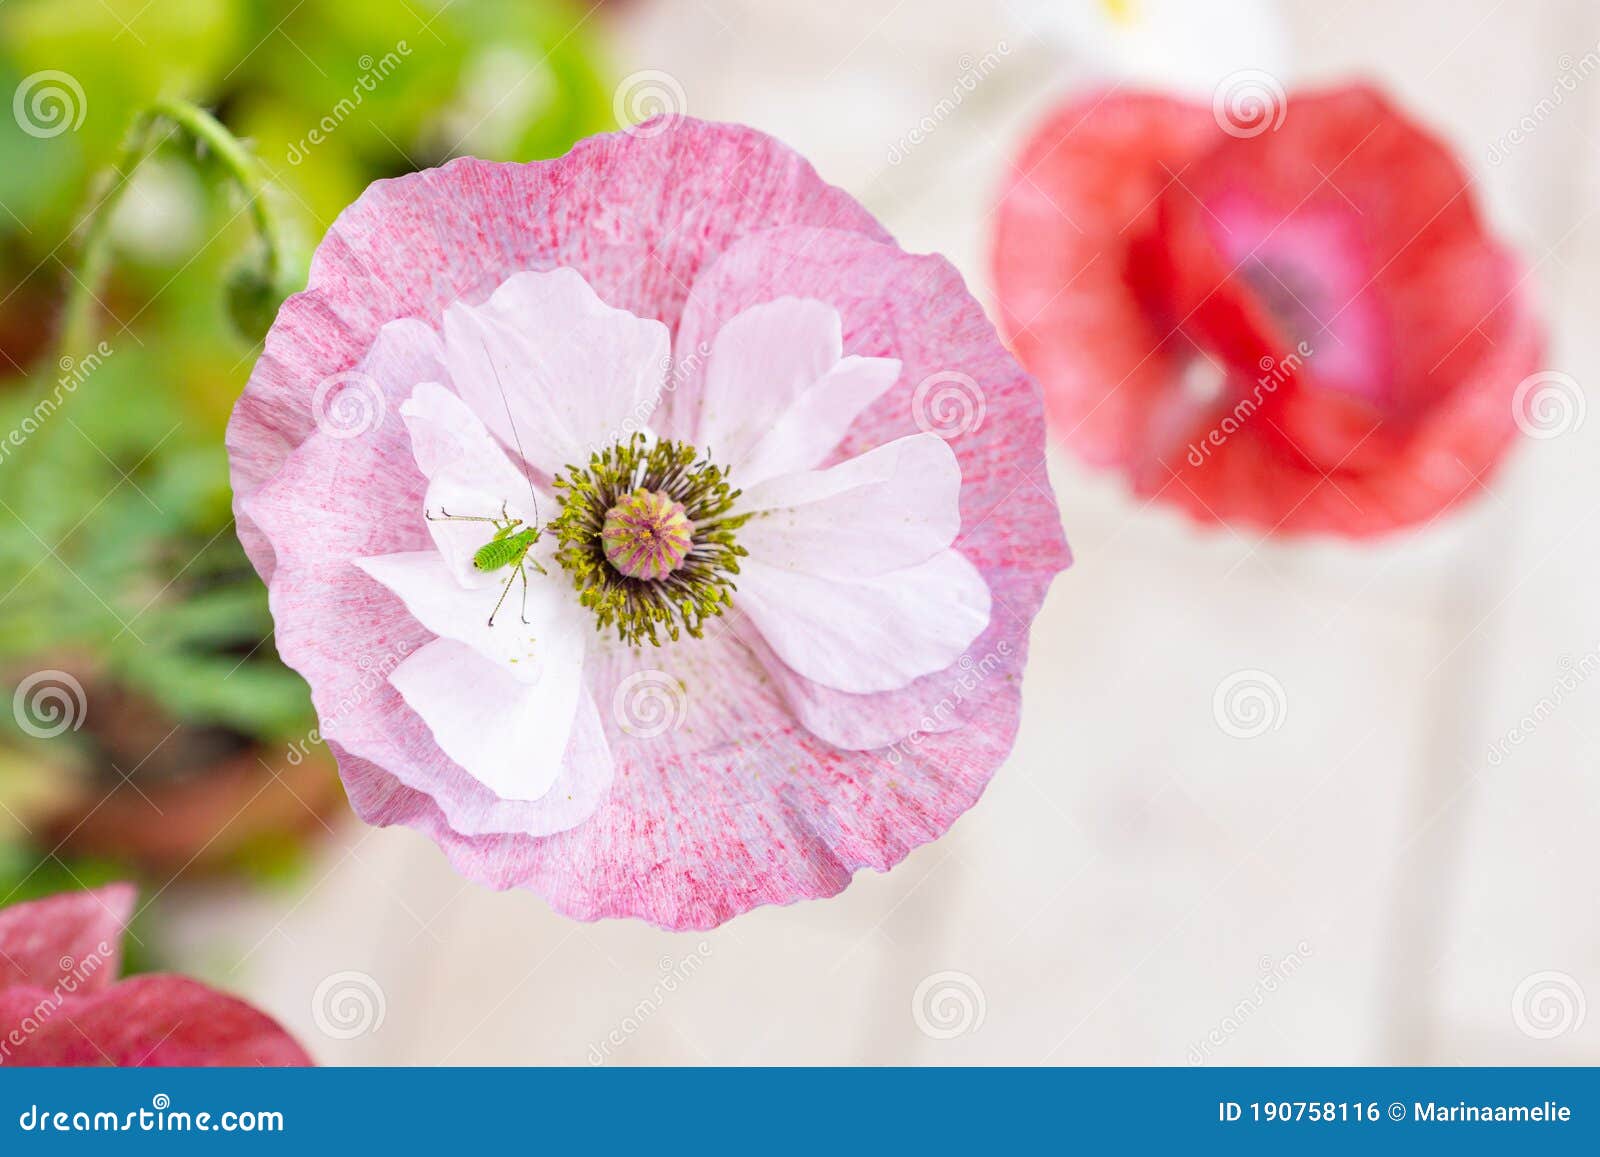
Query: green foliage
116	538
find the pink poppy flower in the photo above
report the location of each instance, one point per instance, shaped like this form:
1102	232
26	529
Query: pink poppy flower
1288	314
62	1005
653	532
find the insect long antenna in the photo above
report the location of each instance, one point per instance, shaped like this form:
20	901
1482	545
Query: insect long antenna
515	437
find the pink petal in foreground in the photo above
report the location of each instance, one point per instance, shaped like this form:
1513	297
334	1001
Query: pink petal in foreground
147	1021
637	215
73	940
728	801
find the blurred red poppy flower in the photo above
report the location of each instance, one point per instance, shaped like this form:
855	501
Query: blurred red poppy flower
1285	313
61	1004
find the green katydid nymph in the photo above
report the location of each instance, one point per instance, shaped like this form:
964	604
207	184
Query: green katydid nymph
508	548
512	538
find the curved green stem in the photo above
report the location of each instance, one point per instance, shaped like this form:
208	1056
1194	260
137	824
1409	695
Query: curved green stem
143	138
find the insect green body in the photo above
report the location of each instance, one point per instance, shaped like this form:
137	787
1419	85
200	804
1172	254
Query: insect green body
508	548
512	538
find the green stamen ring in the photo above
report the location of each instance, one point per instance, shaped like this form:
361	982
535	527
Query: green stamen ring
645	533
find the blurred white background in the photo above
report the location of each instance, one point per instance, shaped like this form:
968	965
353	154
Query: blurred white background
1359	885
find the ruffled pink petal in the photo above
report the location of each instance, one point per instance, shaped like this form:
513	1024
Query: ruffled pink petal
890	508
864	722
735	806
637	215
73	939
735	802
551	368
147	1021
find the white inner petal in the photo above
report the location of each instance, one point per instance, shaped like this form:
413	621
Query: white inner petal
509	735
577	375
873	634
890	508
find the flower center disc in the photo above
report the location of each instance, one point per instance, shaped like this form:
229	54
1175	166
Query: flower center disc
647	535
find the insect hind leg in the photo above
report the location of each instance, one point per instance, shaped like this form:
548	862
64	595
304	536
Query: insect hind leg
505	589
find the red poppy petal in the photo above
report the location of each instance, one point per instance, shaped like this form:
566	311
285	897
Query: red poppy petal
1332	274
74	939
147	1021
1071	217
